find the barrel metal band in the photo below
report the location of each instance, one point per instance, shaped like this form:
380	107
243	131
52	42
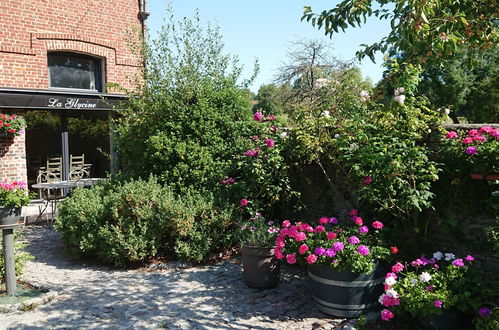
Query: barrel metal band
351	284
340	306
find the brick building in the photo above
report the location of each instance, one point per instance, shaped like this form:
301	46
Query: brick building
57	58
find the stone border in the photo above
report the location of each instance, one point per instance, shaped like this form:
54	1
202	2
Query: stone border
30	303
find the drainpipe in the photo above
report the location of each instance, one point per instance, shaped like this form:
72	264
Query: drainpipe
143	15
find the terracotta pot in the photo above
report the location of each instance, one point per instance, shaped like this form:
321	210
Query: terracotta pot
346	294
9	215
477	176
260	267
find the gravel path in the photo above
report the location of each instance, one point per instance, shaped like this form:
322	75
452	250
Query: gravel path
207	297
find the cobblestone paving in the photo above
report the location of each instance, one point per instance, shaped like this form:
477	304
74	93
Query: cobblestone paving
207	297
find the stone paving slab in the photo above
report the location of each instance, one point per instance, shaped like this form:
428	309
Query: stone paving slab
205	297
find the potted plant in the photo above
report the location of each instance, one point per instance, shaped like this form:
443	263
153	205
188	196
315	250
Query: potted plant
11	125
13	196
258	184
478	148
431	290
344	259
257	240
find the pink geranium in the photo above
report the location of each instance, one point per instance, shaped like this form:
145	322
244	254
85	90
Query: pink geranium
451	135
311	259
244	202
291	259
270	143
258	116
303	249
387	315
377	225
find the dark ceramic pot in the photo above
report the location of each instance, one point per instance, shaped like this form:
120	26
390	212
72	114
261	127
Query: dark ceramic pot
260	267
449	320
346	294
9	215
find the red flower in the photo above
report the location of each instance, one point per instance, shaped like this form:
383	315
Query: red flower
12	130
394	249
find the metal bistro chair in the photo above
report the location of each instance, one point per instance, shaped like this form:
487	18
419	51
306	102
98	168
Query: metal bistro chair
49	195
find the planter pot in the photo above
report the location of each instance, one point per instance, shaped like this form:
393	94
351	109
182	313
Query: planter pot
260	267
477	176
9	215
346	294
449	320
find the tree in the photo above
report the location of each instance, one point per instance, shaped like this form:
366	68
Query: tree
269	99
421	29
190	117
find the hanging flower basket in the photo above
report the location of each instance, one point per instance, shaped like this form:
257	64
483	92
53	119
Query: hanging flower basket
11	125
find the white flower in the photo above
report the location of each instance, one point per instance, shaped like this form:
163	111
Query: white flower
425	277
321	82
399	91
353	146
449	256
438	255
283	135
380	299
413	281
326	114
392	293
447	111
390	281
336	136
399	99
364	96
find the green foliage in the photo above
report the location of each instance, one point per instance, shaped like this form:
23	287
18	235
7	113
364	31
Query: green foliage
190	117
11	124
126	222
14	194
20	256
420	29
270	99
490	322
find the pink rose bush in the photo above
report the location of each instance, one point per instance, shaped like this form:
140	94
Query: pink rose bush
259	181
427	286
341	244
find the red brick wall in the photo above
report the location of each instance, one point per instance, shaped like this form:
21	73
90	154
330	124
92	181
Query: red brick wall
31	28
12	158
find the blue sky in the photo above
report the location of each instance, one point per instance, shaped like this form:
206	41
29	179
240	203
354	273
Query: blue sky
263	29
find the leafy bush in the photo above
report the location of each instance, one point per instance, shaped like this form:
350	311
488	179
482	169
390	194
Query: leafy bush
20	256
190	117
126	222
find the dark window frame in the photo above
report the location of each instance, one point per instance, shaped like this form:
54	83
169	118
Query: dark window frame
98	71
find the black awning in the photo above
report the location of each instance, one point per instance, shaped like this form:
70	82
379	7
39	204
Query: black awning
46	99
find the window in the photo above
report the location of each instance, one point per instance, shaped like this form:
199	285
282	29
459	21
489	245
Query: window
68	70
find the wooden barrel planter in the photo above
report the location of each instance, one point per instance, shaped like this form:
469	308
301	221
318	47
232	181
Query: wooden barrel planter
9	215
260	267
346	294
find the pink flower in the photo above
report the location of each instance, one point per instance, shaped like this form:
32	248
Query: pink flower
484	312
388	301
451	135
436	266
258	116
286	223
363	250
353	212
467	140
486	129
255	138
377	225
469	258
391	275
270	143
438	303
252	153
300	236
323	220
279	243
367	180
271	117
471	150
244	202
278	253
353	240
330	253
387	315
303	249
319	229
429	288
363	230
331	235
291	259
358	221
311	259
231	181
479	138
224	183
458	263
473	132
333	220
397	268
320	251
338	246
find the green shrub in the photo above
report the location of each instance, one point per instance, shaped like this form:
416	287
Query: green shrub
20	256
126	222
